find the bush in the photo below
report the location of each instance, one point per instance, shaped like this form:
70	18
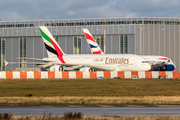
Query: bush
28	95
5	116
71	116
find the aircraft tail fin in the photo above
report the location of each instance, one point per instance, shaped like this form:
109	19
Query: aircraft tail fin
95	49
51	45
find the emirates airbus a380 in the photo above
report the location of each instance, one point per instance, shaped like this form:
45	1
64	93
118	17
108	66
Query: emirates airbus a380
57	60
158	63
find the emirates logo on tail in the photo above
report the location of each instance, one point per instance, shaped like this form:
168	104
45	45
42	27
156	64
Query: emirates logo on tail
51	45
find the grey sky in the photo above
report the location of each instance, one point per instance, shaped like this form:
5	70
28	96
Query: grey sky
15	10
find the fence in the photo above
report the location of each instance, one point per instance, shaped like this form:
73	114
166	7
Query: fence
79	74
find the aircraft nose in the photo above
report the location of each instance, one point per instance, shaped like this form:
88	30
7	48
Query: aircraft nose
174	66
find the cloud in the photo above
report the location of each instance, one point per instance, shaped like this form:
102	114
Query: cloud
131	15
71	12
12	16
106	10
11	10
15	16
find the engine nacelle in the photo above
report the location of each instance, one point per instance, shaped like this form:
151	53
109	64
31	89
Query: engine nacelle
168	67
56	68
86	69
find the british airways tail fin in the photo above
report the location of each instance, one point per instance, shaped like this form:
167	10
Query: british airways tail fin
51	45
95	49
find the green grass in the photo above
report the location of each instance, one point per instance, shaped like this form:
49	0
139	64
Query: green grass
89	87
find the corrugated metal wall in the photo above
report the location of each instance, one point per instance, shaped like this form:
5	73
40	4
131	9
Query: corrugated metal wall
144	39
161	40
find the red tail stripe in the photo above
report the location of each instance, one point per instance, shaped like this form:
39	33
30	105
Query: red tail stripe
60	57
56	48
89	37
97	52
60	53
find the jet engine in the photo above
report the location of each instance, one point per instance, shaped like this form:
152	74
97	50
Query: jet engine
168	67
162	66
56	68
85	69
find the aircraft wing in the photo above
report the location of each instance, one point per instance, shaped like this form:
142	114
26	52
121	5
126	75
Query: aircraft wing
102	68
96	67
159	64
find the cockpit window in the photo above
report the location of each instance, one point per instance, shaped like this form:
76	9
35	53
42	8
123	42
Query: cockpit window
169	61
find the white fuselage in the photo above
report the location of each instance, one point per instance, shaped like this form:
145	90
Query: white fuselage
119	62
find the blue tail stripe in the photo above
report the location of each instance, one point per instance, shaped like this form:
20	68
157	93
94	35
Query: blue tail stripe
92	46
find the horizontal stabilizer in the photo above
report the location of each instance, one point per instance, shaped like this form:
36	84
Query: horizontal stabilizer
35	59
25	63
5	62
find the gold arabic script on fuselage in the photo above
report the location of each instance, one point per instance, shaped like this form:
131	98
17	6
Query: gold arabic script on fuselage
116	60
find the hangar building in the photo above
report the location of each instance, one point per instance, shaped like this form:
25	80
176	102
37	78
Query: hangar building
142	36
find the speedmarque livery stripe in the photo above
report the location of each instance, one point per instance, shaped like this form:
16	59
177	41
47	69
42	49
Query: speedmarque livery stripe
97	52
89	37
92	46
